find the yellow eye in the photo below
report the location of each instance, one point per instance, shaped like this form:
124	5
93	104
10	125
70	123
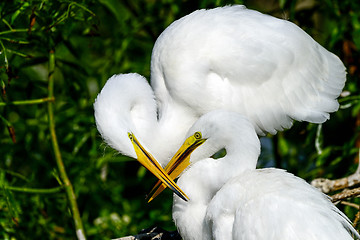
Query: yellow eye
197	135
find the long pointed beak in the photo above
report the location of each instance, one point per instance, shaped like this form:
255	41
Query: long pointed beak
149	162
179	162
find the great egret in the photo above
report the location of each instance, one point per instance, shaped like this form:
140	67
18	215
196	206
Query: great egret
121	135
224	58
230	199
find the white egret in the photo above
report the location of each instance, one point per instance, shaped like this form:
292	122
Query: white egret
224	58
230	199
121	136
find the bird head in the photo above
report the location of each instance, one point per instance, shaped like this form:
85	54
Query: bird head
212	132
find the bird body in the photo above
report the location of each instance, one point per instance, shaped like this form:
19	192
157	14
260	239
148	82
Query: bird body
230	199
242	60
263	204
224	58
277	205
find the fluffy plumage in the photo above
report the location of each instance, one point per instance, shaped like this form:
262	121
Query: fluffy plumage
224	58
241	60
125	104
230	199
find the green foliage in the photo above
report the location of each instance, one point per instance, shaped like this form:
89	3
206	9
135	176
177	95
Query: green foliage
93	40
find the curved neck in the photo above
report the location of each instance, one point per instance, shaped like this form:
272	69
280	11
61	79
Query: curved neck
125	104
203	180
240	157
211	174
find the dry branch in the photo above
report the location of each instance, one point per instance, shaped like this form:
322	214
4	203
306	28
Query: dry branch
155	233
347	193
327	185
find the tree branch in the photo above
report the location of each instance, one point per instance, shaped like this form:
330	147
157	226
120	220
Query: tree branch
327	185
154	233
80	232
347	193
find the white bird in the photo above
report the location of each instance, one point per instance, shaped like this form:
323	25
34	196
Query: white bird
230	199
116	123
230	58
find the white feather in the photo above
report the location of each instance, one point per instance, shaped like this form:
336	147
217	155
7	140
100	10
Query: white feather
224	58
241	60
230	199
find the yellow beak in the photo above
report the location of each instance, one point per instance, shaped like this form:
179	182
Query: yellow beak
178	163
149	162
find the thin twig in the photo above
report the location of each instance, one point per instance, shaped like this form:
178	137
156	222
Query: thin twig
152	234
80	232
14	31
15	41
7	24
357	217
350	204
125	238
28	102
10	127
65	15
347	193
14	174
318	140
141	236
35	190
5	55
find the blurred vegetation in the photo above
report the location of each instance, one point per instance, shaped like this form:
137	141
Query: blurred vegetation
88	41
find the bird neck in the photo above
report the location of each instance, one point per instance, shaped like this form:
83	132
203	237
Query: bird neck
206	177
202	181
237	161
211	174
243	153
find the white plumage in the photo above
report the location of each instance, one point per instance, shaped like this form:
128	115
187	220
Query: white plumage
224	58
236	59
239	59
125	104
230	199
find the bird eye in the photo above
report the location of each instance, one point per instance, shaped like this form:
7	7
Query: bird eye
130	136
197	135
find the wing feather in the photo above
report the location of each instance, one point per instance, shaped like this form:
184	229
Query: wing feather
238	59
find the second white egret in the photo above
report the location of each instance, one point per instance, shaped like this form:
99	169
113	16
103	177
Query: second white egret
230	199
